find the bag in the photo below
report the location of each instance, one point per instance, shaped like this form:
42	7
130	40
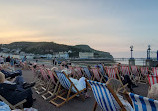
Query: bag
4	107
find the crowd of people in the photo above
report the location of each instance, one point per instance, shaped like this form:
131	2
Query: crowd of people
14	88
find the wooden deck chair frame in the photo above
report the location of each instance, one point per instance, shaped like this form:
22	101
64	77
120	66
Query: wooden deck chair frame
38	80
68	97
45	82
73	73
35	72
145	78
119	78
132	73
97	74
13	106
89	76
78	72
141	103
155	70
114	95
51	91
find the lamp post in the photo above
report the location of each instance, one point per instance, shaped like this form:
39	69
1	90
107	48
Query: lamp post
131	47
131	60
149	51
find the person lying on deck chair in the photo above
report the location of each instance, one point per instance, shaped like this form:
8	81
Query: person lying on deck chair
8	73
116	85
80	84
13	93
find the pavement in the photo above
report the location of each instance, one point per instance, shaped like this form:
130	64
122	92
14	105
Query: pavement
75	104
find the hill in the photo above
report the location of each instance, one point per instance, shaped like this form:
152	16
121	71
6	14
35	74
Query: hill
51	47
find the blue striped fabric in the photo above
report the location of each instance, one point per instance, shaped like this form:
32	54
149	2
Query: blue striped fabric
141	103
101	69
103	96
64	81
87	72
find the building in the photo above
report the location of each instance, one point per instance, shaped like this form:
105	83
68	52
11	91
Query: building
64	55
85	55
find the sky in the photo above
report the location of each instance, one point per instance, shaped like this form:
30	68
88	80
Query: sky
106	25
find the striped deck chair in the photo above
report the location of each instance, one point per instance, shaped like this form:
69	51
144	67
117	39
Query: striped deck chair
152	79
44	82
144	71
125	70
105	96
155	71
134	70
111	71
78	71
69	87
53	84
72	71
87	73
135	73
141	103
96	74
102	70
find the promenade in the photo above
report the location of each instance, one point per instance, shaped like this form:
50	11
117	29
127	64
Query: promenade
75	104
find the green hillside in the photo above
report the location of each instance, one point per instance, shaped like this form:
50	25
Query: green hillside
51	47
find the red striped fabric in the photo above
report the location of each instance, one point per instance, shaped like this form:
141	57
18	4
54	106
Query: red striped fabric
111	72
152	79
96	73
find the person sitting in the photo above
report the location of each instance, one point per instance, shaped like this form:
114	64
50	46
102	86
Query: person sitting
153	92
8	73
80	84
116	85
66	70
13	94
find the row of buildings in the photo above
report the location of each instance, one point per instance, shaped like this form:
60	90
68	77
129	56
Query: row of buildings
17	53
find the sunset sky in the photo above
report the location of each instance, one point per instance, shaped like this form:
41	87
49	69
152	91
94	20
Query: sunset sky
107	25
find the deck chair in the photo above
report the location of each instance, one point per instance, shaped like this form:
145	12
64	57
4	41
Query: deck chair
152	79
73	73
112	72
125	70
105	97
87	73
155	71
96	74
141	103
42	88
52	87
18	105
69	87
135	72
78	71
102	70
144	71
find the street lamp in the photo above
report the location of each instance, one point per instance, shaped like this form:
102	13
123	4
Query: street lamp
131	47
148	51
